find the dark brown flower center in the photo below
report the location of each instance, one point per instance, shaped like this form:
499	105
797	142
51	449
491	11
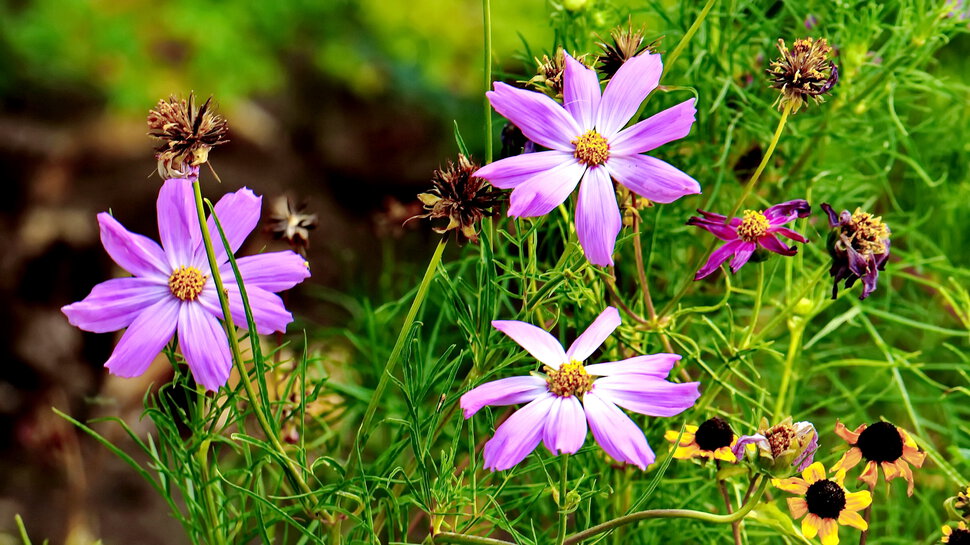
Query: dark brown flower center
591	148
959	537
713	434
881	442
570	379
754	225
825	498
186	283
780	438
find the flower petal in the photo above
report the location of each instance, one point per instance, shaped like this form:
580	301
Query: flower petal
718	257
540	194
813	473
597	332
787	211
507	391
669	125
540	118
811	525
115	304
144	339
855	501
238	213
828	532
648	395
716	228
652	178
849	459
851	518
598	218
793	485
205	346
178	223
565	430
655	365
272	271
771	243
581	92
626	91
619	436
742	255
784	231
518	436
538	342
851	437
511	172
798	507
134	253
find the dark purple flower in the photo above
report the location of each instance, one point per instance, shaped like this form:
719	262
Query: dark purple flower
859	247
560	404
745	234
589	147
171	289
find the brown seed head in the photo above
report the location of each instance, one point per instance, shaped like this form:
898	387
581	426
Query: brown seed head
186	133
549	74
625	43
460	198
292	223
804	72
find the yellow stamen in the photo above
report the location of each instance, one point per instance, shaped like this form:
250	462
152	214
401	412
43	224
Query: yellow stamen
186	283
570	379
754	225
591	148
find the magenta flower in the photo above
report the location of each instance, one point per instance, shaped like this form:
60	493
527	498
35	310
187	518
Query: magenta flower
171	289
561	402
744	235
587	142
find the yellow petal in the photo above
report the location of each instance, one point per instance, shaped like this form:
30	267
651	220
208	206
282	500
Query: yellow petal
849	459
829	532
725	454
814	472
798	507
890	470
947	530
793	485
913	456
851	518
671	435
851	437
858	500
684	453
810	525
690	429
870	475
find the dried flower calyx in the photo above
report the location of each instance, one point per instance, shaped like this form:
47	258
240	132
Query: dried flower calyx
625	43
460	198
804	72
291	222
187	134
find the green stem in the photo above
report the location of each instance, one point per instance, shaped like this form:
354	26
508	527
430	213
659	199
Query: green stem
202	458
487	23
794	345
670	513
563	490
293	473
451	537
758	295
392	360
764	160
736	525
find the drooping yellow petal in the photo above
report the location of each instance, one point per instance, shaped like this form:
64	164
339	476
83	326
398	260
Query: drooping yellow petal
851	518
913	456
793	485
829	532
725	454
810	525
690	429
849	459
814	472
798	507
839	477
870	475
857	500
851	437
890	470
906	473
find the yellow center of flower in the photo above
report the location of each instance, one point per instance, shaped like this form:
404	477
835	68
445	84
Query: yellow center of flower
591	148
570	379
868	232
186	283
754	225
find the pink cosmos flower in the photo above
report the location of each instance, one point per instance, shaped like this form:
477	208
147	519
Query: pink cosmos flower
587	143
561	402
744	235
171	288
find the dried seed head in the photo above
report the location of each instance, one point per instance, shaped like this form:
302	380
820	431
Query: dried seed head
291	222
460	198
186	133
804	72
625	43
549	74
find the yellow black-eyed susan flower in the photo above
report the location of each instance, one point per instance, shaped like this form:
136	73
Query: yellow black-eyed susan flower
713	439
958	535
824	502
881	444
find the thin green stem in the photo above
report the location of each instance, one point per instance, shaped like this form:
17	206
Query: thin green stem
764	160
672	57
736	525
794	345
563	490
451	537
758	295
202	458
671	513
392	360
866	516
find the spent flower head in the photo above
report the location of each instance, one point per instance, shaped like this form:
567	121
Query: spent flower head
782	449
460	198
884	445
291	222
859	246
625	43
824	502
560	402
712	439
186	132
551	73
804	72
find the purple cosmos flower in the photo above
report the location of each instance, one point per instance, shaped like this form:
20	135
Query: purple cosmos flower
561	402
744	235
783	448
171	288
859	247
587	143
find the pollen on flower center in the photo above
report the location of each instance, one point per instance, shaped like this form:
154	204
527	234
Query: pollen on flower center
713	434
780	438
754	225
570	379
825	499
868	232
186	283
881	442
591	148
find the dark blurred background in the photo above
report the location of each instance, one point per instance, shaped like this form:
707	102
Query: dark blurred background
348	105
